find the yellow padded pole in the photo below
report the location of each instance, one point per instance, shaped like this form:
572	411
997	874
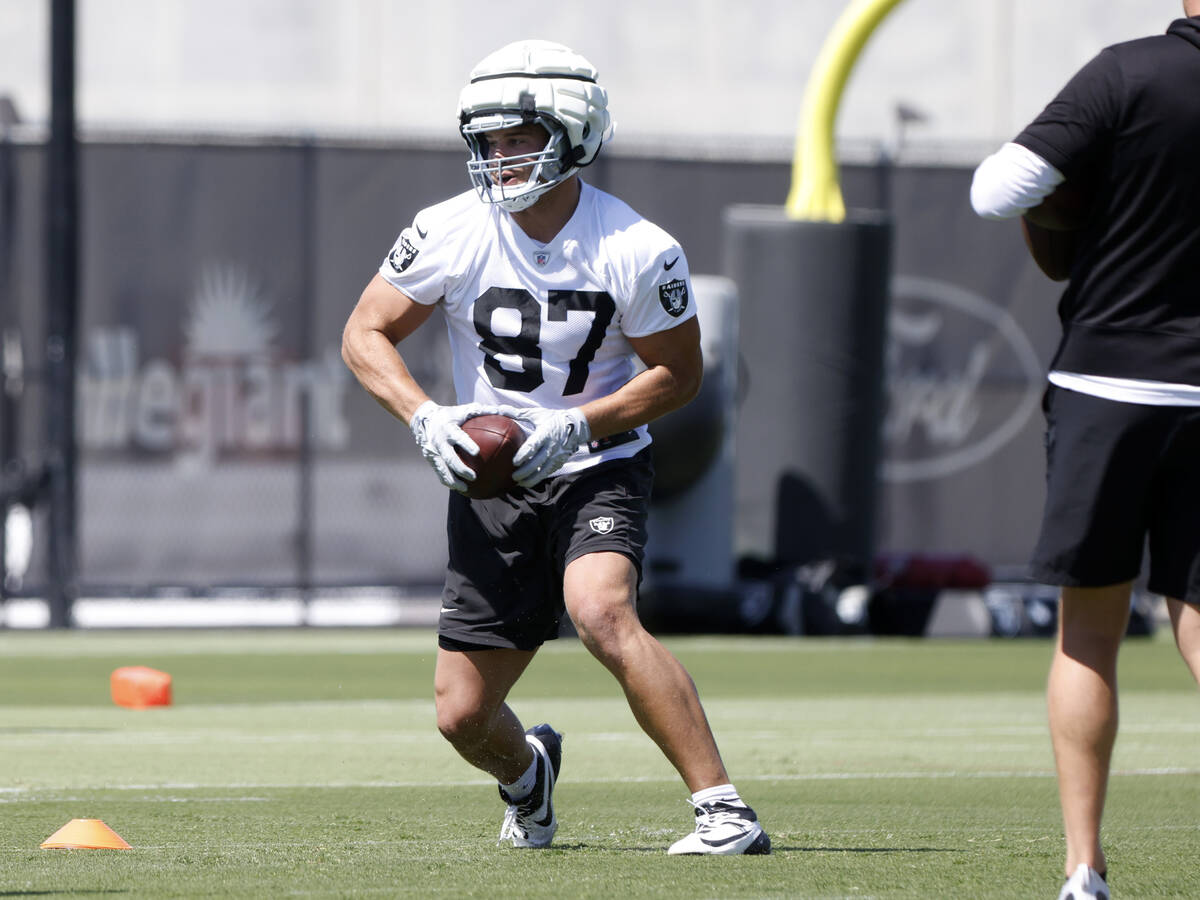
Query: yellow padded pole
815	192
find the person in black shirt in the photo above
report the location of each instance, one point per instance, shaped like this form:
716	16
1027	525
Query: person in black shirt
1107	185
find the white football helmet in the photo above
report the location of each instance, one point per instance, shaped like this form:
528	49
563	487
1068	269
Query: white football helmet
532	82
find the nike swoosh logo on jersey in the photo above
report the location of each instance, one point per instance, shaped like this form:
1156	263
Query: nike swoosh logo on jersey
668	266
421	234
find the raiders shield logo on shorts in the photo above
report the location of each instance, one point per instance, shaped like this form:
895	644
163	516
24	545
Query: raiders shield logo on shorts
601	524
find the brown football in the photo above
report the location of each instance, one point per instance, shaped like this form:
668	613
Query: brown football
498	438
1052	250
1067	208
1051	230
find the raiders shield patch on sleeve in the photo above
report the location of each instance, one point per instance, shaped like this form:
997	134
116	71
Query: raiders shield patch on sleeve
674	297
402	254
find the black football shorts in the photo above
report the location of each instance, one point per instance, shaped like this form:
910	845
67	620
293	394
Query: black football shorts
508	554
1120	477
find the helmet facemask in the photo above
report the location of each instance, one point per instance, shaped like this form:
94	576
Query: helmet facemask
547	167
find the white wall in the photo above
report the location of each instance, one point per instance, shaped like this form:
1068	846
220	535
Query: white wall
699	74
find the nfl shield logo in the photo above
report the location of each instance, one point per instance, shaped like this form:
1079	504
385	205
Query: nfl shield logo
602	524
541	257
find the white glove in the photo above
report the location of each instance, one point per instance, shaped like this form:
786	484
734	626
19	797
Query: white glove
437	431
557	433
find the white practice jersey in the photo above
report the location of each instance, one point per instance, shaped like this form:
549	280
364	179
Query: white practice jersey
544	325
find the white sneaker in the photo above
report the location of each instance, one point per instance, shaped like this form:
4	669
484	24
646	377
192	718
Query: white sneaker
531	822
1085	883
724	829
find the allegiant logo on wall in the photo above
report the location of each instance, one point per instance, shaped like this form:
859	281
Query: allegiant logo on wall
232	391
962	380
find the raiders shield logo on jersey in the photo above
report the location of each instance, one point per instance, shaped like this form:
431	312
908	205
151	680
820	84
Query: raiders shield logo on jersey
601	524
402	254
674	297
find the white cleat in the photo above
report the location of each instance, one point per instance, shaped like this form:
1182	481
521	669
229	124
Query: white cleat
531	822
724	829
1085	883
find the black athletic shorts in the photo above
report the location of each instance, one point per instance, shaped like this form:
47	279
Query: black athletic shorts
1120	477
507	555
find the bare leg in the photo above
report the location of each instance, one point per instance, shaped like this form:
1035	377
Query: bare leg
1082	702
1185	620
600	590
470	689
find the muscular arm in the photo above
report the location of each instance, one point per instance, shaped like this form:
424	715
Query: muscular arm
674	370
383	317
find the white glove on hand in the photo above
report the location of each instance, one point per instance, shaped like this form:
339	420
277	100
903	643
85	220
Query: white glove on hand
437	431
557	433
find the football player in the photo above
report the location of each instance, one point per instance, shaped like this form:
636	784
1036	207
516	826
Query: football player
571	313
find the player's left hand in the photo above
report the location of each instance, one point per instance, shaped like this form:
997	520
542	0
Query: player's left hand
557	433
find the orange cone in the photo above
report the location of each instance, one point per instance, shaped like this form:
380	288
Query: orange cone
139	686
85	834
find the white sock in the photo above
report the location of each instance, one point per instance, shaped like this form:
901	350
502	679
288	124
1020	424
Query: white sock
523	786
724	792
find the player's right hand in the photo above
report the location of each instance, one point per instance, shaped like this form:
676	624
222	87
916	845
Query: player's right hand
437	430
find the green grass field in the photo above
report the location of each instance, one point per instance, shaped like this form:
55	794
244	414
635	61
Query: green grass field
307	763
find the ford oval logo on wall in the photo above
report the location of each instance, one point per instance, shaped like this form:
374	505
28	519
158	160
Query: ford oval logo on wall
962	380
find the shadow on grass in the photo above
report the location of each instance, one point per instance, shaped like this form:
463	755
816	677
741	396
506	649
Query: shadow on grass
595	848
866	850
82	892
41	729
